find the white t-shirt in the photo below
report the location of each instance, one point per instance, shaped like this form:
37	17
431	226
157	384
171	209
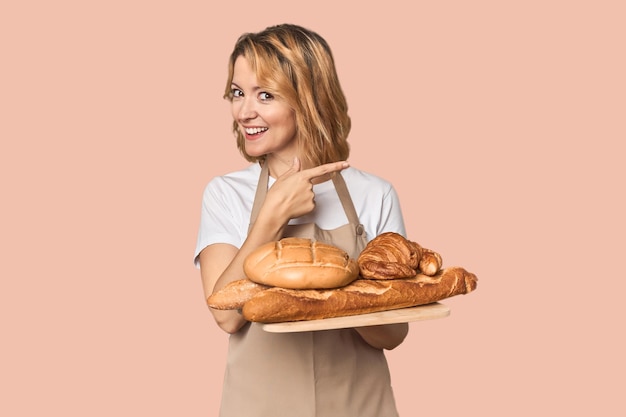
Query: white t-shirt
227	203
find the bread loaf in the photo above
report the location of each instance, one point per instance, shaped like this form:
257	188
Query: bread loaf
234	294
360	297
298	263
392	256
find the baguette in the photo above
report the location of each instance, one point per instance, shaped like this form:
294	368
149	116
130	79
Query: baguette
360	297
234	294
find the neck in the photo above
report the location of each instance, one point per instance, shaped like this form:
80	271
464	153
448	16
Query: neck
278	165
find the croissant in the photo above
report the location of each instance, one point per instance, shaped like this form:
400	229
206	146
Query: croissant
430	263
390	256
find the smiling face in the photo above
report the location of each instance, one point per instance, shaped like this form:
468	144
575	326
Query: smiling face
266	122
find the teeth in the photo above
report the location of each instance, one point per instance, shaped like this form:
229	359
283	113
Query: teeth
255	130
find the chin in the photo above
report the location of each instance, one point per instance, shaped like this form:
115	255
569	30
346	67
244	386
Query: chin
250	151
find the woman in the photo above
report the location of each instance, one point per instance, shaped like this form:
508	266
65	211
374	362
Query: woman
291	121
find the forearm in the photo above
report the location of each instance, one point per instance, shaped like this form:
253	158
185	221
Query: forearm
386	336
291	196
260	234
266	229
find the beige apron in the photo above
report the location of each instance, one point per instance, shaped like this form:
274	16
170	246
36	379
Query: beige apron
331	373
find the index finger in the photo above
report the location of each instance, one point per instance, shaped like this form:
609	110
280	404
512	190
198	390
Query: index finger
321	170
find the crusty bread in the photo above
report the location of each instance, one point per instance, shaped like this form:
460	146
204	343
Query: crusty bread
299	263
360	297
234	294
391	256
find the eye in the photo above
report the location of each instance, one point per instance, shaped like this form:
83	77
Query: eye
263	96
235	93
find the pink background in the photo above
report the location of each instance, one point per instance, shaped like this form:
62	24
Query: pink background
501	125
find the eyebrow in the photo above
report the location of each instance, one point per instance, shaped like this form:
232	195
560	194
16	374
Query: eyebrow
254	89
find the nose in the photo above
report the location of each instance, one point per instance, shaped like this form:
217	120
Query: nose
247	109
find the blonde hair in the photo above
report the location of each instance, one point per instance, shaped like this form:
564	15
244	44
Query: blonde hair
296	65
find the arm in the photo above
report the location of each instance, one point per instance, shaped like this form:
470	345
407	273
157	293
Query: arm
387	336
290	196
222	263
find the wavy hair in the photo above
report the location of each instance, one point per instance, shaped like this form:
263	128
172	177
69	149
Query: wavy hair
296	65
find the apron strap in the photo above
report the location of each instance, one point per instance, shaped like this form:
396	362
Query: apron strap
340	187
259	197
346	202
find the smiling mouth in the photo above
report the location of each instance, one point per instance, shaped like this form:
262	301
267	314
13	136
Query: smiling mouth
255	130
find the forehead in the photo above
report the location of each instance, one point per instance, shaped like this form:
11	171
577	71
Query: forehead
243	73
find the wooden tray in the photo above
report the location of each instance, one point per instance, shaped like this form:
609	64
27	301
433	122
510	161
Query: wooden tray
403	315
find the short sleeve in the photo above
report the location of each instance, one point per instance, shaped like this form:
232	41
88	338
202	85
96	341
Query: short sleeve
220	219
391	219
376	202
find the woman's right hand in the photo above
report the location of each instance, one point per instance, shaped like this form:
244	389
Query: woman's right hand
292	194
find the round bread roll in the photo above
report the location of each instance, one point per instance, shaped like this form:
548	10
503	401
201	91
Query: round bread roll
299	263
